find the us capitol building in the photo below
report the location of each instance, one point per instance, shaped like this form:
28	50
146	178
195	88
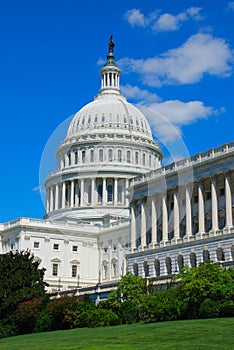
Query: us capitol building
111	207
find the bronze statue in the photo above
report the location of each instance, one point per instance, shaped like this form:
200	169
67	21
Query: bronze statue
111	44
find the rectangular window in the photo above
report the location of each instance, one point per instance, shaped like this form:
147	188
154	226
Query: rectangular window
56	246
36	244
196	198
55	270
74	270
75	248
221	192
208	195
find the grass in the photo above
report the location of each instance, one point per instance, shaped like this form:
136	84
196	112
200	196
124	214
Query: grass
209	334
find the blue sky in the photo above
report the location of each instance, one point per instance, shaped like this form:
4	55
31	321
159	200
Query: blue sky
176	58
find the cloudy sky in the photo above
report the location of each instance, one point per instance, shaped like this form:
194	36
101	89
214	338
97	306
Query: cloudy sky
177	65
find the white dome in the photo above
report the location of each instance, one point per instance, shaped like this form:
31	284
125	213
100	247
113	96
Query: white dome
110	113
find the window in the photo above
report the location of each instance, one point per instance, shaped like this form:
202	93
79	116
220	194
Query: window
131	121
95	119
83	156
125	120
128	156
101	155
103	118
91	156
12	246
74	270
75	248
172	205
143	159
76	157
83	120
110	155
69	158
119	197
208	195
56	246
105	250
36	244
221	192
109	193
89	120
55	270
196	198
136	157
89	194
119	155
150	161
99	193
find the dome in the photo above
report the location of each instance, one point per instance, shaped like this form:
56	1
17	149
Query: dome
110	113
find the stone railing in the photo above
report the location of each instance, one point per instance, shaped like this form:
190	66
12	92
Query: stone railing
185	163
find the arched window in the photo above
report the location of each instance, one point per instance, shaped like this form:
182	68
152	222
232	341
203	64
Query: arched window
128	156
220	254
206	255
143	159
135	269
83	156
136	157
95	119
69	158
76	157
99	190
89	120
193	260
109	193
91	156
146	269
180	262
157	267
101	155
83	120
168	265
119	155
110	155
120	195
125	120
114	268
103	119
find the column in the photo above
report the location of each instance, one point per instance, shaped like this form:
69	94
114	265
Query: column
72	193
126	192
133	228
228	201
56	196
143	225
47	200
64	194
51	199
188	211
164	218
115	191
201	213
104	199
93	191
154	220
176	215
214	204
81	192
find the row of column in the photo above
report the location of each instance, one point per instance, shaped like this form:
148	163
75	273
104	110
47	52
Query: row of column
176	213
81	193
110	79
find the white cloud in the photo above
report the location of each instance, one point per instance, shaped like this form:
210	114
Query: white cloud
230	5
163	22
135	18
200	55
139	94
168	117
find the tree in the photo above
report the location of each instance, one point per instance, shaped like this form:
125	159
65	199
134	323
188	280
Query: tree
201	288
20	280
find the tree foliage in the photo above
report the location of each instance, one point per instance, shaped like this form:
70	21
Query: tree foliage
20	280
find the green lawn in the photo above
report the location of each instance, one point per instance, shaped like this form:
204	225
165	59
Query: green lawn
208	334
